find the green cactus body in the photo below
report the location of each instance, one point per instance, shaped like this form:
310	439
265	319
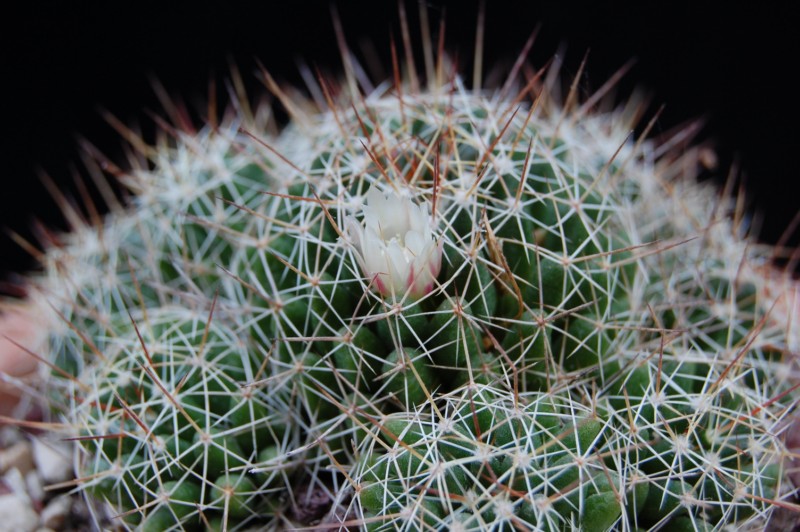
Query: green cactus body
438	308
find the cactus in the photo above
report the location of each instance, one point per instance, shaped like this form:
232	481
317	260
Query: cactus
421	308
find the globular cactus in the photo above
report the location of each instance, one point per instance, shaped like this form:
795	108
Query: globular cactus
422	307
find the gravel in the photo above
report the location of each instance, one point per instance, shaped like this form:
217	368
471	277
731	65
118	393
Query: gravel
35	492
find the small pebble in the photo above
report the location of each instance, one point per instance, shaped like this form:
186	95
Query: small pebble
55	513
35	488
17	456
15	483
52	460
25	506
16	514
9	435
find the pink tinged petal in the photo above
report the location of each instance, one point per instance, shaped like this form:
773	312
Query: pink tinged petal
410	284
436	259
373	252
424	275
380	285
396	244
398	266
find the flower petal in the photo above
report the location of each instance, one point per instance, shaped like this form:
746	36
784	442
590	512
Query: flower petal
396	245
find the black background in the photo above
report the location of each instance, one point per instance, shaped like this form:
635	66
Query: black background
64	62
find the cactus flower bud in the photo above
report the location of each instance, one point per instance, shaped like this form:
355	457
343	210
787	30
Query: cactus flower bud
395	245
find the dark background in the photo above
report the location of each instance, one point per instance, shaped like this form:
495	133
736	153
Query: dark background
64	62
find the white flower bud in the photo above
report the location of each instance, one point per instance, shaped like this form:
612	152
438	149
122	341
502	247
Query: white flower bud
395	245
